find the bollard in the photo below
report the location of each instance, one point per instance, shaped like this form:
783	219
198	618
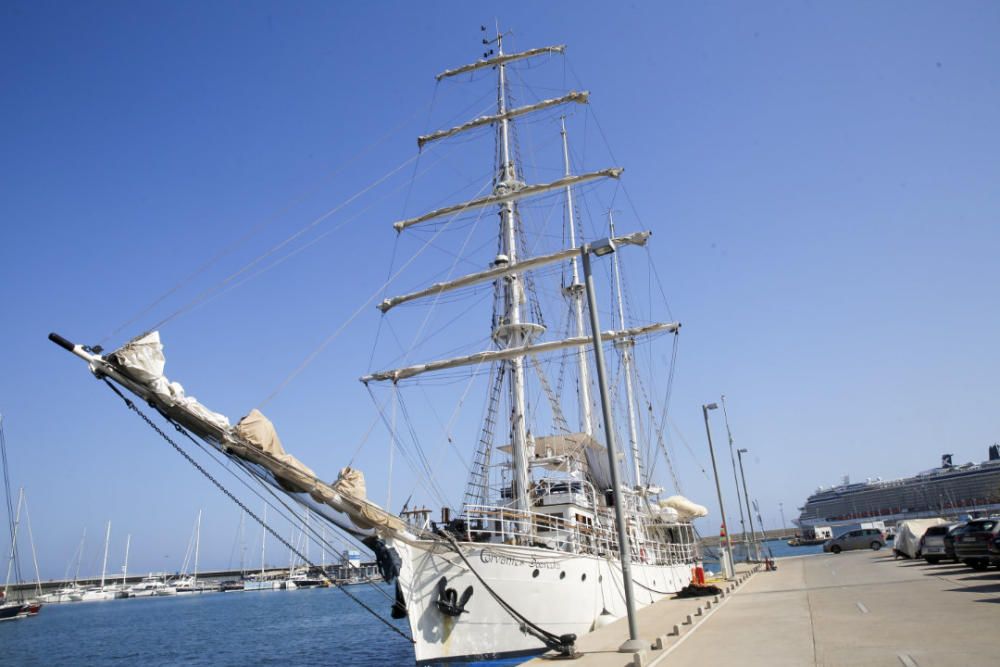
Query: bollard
676	632
688	620
699	611
660	642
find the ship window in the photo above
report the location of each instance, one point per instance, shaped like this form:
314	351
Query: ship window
562	575
535	573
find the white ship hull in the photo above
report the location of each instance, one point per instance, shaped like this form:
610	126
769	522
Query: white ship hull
569	594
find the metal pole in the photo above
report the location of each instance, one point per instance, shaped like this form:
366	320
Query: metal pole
727	561
743	525
746	495
634	644
781	508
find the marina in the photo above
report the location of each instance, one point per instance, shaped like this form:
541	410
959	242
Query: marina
414	335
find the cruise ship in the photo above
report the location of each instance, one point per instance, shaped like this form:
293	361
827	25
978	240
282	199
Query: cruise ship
947	490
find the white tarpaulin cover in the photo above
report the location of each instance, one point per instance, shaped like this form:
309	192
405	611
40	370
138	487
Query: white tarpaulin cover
142	357
686	510
908	534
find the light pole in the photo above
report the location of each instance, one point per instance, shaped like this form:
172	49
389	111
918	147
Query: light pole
781	508
746	496
600	248
743	525
727	557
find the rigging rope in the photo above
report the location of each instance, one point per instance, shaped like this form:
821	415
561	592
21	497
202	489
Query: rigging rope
229	494
258	227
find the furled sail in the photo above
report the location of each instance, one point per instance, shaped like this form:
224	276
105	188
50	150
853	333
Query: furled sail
510	195
138	367
636	238
501	59
512	352
574	96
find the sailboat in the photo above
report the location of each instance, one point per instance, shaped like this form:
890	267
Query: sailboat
262	581
10	608
102	592
548	543
186	583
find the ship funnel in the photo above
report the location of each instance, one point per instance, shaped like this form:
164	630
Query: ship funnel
946	460
995	452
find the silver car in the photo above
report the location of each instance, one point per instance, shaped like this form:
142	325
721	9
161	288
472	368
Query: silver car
862	538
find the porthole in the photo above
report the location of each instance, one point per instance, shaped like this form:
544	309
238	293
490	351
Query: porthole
562	575
534	574
600	578
583	577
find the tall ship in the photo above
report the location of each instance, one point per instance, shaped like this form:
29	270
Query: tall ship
530	561
948	490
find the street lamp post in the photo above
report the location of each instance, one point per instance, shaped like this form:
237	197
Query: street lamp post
781	508
634	644
746	496
727	557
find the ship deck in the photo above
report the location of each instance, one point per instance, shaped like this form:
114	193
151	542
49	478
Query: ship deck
855	608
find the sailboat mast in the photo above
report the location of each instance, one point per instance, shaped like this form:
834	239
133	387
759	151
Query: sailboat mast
575	292
263	541
511	332
13	543
104	564
128	543
625	346
197	545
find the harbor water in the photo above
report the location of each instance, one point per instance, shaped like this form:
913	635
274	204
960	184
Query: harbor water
319	626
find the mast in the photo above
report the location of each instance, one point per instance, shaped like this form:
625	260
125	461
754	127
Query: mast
263	542
625	346
243	544
79	557
128	542
729	433
575	293
104	565
197	546
13	544
511	332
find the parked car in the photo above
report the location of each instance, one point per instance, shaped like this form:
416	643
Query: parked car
994	550
972	545
932	547
865	538
949	540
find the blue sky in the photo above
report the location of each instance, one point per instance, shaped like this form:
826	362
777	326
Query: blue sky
820	180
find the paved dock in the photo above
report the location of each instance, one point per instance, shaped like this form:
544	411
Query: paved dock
855	608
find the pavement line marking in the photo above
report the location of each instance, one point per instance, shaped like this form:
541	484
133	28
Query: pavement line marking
862	608
694	628
907	660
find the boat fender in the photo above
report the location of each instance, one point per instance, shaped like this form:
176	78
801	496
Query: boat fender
448	601
399	609
387	559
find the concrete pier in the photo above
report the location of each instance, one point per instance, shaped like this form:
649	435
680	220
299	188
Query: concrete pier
855	608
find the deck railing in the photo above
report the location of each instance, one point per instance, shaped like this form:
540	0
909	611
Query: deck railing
488	523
